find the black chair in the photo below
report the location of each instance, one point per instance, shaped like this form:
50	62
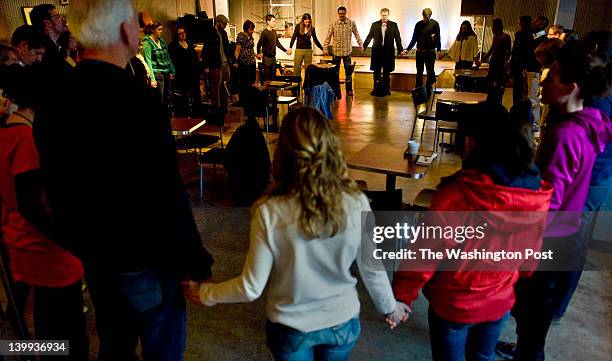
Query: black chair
295	91
257	105
385	200
447	115
215	155
419	98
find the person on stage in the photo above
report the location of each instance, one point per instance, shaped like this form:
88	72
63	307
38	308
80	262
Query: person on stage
383	32
303	33
426	36
341	31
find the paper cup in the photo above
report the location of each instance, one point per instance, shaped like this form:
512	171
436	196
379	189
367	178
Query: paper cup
413	147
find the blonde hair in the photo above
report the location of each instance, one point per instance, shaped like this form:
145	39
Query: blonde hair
309	164
97	23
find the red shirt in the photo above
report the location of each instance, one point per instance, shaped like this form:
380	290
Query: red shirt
33	258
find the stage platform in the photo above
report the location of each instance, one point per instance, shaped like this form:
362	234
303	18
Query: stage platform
404	76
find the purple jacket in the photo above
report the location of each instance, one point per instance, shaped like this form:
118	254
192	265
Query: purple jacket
566	160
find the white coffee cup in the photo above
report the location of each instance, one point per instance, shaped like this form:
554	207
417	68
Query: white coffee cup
413	147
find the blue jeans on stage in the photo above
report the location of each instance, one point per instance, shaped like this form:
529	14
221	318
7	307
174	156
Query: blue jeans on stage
141	305
452	341
329	344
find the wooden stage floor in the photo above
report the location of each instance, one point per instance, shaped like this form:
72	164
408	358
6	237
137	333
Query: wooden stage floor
404	76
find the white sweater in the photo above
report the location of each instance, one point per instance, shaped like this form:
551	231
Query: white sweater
310	285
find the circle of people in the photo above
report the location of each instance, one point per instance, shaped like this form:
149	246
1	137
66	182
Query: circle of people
80	200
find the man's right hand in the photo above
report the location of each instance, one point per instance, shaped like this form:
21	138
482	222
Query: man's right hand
325	52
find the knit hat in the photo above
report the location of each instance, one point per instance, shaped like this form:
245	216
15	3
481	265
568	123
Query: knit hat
222	19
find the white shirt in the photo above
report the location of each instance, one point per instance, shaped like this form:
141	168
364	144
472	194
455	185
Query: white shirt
383	28
309	282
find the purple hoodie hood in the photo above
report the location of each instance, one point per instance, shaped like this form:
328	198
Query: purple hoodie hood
566	160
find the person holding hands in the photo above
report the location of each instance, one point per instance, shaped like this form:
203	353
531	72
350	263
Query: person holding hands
384	32
305	235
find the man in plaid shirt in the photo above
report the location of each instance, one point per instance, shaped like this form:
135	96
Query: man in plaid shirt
341	31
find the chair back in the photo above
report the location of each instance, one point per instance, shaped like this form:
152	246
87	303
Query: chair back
419	96
256	103
449	112
291	79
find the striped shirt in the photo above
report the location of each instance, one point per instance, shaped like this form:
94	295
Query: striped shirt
341	32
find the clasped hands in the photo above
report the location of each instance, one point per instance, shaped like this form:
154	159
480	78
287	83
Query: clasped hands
191	290
401	314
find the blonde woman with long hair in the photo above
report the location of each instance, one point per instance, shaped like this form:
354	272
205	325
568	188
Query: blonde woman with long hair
305	235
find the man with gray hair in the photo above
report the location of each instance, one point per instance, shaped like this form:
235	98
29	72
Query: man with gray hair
426	36
125	215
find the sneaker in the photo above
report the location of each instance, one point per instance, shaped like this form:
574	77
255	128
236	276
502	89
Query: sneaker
506	349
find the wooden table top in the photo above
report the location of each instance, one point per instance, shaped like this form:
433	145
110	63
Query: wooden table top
462	97
185	126
387	159
276	85
472	73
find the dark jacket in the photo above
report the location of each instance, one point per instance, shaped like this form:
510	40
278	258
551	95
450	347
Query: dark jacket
247	162
117	210
383	55
211	54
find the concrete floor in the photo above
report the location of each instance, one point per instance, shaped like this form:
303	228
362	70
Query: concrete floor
236	332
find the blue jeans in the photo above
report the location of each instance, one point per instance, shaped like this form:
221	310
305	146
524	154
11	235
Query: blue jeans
452	341
145	305
329	344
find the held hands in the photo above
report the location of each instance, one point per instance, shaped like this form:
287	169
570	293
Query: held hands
191	290
258	56
401	314
361	48
404	53
154	84
289	51
439	55
325	52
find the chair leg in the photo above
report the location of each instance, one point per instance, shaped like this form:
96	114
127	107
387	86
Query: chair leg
413	125
436	134
422	130
201	181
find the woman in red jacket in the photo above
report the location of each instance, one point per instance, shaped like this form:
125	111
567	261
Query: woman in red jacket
468	308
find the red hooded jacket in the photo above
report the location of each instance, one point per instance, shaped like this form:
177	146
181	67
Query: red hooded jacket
475	296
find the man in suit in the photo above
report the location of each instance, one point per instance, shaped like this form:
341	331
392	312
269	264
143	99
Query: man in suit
383	32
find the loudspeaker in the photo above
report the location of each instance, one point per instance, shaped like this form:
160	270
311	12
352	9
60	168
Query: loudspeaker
477	7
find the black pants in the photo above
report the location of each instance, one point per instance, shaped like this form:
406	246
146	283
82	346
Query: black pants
425	59
537	299
187	86
58	315
385	86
